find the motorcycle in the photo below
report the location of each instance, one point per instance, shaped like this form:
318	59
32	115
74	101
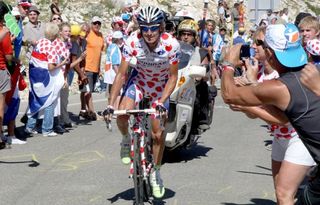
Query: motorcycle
179	127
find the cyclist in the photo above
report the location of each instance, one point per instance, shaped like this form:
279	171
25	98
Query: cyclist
154	75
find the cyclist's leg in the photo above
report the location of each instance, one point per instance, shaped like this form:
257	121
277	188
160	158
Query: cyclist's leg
158	145
131	98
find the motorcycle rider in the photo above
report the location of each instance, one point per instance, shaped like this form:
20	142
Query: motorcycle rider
187	33
154	75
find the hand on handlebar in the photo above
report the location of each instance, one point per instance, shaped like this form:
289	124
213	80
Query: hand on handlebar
160	109
108	112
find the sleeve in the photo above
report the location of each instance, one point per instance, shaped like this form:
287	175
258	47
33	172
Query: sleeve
175	53
128	49
6	45
52	55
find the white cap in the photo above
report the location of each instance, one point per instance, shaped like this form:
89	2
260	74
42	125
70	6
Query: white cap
96	19
185	13
15	11
117	34
285	41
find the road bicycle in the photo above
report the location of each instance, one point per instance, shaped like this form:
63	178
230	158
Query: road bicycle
140	152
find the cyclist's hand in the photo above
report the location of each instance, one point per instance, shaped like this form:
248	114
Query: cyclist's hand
160	109
107	113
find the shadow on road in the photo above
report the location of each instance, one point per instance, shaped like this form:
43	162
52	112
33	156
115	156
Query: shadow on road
185	155
254	202
257	173
128	195
31	163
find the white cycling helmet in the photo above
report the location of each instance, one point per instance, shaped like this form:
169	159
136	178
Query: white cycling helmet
150	15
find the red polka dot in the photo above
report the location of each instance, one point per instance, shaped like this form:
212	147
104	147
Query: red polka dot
154	95
140	96
150	84
155	79
175	63
134	52
132	44
165	36
159	89
141	83
149	71
168	48
139	35
156	74
284	130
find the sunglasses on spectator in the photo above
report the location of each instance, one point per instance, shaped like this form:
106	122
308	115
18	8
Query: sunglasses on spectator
152	28
186	34
56	19
23	1
97	23
259	42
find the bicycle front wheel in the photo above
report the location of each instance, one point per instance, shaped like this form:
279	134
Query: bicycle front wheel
137	173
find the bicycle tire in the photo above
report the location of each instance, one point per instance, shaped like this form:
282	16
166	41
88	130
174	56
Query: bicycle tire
137	173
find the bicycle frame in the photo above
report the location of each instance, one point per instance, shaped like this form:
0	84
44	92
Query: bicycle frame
141	156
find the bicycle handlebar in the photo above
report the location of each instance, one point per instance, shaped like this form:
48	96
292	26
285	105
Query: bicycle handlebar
130	112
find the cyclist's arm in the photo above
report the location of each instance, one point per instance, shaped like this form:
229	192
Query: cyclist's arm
118	81
171	84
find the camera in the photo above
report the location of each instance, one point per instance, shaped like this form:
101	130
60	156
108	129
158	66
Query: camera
244	51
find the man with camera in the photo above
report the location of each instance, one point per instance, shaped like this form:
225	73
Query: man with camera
285	54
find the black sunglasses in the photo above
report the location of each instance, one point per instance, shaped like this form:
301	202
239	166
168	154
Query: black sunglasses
97	23
56	19
259	42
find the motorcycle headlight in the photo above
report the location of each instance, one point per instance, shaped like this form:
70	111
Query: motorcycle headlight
181	81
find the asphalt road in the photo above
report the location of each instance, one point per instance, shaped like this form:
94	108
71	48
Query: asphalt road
229	166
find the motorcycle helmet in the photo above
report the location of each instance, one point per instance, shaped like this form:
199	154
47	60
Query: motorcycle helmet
150	15
188	25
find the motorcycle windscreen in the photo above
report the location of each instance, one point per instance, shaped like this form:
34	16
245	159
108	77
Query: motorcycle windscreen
186	52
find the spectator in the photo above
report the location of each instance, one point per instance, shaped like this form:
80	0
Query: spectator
310	75
5	58
95	45
54	7
240	38
285	16
221	13
46	80
289	155
33	30
12	98
235	16
113	61
85	29
56	18
116	25
300	105
309	29
299	17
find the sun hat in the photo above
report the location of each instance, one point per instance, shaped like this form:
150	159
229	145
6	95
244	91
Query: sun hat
285	41
26	3
35	9
75	30
117	34
313	47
